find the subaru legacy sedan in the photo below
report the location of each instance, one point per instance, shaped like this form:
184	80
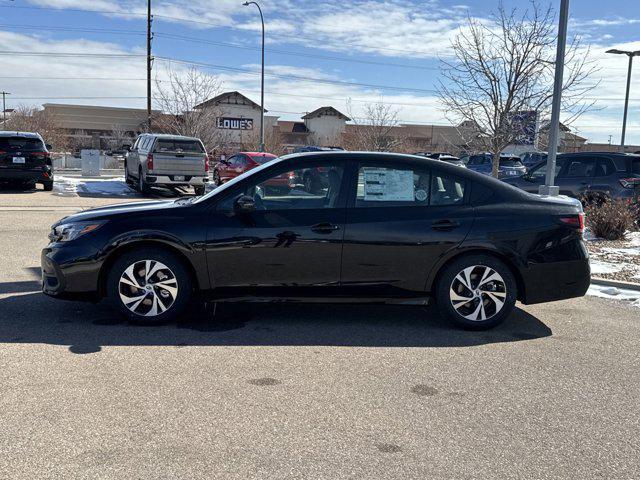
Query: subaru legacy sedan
386	228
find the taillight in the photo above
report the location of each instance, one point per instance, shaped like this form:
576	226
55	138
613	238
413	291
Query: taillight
629	182
575	221
41	154
150	161
292	175
206	163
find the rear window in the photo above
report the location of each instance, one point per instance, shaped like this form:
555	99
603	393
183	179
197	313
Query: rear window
191	146
17	144
260	159
510	162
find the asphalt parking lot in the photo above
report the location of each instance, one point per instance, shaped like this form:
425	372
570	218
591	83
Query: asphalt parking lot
294	391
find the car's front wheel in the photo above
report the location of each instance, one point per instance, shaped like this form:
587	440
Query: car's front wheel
476	292
149	286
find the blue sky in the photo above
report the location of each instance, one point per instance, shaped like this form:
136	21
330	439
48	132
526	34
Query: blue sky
320	52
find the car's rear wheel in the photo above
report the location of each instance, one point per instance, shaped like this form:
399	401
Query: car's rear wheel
149	286
199	191
476	292
142	185
47	186
216	178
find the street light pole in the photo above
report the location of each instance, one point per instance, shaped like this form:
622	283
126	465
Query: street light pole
549	188
4	109
149	63
261	78
626	98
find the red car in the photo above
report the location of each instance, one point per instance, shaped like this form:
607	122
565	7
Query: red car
237	164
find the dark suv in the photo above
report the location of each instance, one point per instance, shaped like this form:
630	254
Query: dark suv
589	175
25	160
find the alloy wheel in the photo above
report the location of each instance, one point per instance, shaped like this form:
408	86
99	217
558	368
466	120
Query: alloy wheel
478	293
148	288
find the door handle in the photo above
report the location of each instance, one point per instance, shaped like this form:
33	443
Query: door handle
444	225
325	227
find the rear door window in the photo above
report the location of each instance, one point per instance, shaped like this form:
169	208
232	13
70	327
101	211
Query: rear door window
406	187
605	167
635	166
21	144
187	146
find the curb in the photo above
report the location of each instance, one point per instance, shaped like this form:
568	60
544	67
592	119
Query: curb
616	283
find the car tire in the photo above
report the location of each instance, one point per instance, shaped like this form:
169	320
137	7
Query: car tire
216	178
168	289
127	178
199	191
476	292
143	187
47	186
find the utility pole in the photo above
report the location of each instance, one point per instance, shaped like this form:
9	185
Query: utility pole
149	63
549	188
4	109
626	98
246	4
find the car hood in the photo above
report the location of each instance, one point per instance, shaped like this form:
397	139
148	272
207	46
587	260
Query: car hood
106	212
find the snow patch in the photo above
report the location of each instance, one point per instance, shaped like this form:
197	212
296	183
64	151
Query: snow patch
111	186
601	291
598	267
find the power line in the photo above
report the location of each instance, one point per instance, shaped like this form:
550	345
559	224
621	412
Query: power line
71	54
288	52
295	77
71	29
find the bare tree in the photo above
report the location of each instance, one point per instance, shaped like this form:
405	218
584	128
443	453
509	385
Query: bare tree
119	136
32	119
504	67
180	97
376	131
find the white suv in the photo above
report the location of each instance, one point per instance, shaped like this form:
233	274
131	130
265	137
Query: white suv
167	160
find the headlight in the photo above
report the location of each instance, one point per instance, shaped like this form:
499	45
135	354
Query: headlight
70	231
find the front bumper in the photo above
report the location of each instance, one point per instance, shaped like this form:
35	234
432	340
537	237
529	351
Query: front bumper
196	181
70	272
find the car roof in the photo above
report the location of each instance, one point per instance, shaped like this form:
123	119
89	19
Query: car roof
168	136
588	154
251	154
20	134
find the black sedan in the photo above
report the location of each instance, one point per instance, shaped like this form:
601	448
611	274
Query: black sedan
387	228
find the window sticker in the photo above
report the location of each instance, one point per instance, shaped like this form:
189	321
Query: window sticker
387	185
421	195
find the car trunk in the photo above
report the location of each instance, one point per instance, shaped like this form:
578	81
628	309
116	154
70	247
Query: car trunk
511	167
178	157
22	153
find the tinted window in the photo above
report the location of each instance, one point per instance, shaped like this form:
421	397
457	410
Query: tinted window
510	162
635	166
583	167
541	170
18	144
605	167
446	189
166	145
260	159
286	190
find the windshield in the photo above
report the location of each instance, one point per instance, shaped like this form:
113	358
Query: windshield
511	162
262	158
232	182
191	146
17	144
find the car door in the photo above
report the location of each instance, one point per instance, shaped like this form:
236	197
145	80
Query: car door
401	219
132	158
604	181
576	176
292	240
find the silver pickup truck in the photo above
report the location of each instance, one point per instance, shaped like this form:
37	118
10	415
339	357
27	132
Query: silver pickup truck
167	161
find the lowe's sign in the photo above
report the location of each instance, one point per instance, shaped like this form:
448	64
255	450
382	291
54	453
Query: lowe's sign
227	123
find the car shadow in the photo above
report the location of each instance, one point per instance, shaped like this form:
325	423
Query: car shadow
86	328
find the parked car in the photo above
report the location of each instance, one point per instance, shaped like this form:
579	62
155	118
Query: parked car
452	160
390	228
434	155
588	175
225	170
25	160
509	166
530	159
159	160
313	148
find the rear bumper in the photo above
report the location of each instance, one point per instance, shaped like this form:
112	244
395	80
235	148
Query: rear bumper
17	175
548	282
194	180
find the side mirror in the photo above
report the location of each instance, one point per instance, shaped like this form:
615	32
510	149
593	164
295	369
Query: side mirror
245	204
48	146
126	148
